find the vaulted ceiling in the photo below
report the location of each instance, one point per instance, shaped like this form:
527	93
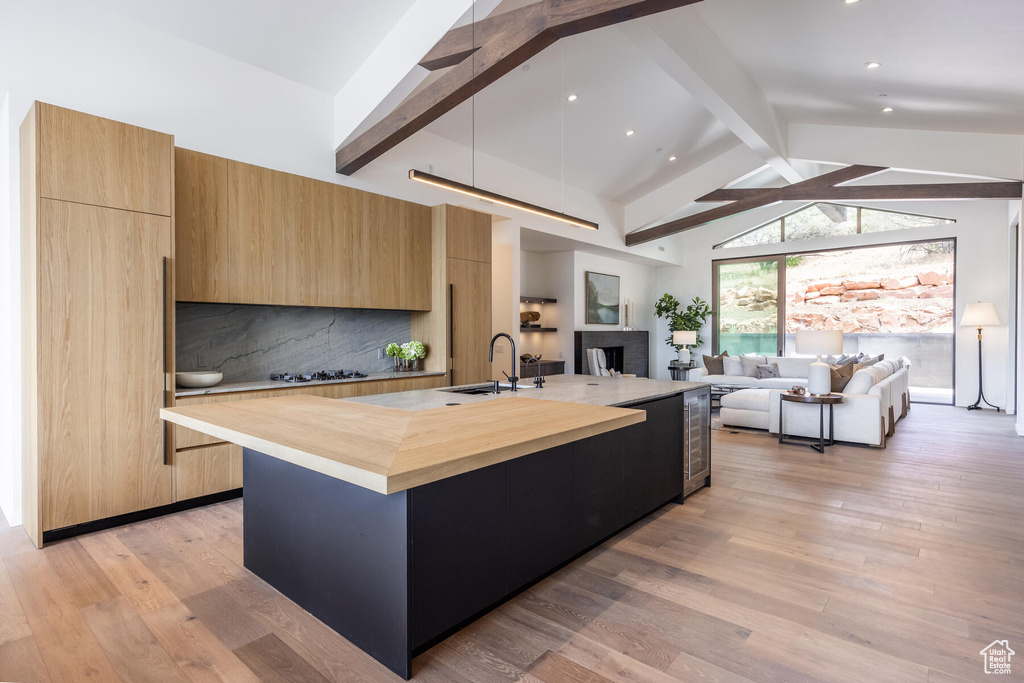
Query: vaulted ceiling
694	82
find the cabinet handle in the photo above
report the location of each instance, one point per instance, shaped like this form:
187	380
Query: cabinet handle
163	317
451	333
686	413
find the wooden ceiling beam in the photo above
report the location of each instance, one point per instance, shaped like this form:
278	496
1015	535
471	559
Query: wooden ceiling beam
989	190
503	42
763	197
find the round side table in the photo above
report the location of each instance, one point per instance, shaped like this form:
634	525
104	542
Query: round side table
822	401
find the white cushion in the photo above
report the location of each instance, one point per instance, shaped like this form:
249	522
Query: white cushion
781	382
750	364
793	367
861	382
747	399
729	379
732	366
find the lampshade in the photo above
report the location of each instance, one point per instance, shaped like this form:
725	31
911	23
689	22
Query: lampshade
979	315
819	342
684	337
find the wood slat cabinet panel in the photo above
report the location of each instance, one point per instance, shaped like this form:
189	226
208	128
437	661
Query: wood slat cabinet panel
469	234
91	160
471	320
201	227
100	344
254	198
342	268
207	470
187	438
251	235
397	248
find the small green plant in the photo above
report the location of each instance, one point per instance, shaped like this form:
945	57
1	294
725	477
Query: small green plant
793	261
413	350
393	350
692	318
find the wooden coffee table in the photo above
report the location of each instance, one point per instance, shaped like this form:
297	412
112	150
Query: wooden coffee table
822	401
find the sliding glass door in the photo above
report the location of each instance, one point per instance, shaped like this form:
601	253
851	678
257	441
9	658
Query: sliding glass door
747	315
895	299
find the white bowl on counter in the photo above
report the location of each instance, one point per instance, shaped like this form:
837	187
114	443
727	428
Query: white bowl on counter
198	380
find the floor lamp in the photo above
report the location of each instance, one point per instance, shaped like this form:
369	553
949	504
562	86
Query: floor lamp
980	315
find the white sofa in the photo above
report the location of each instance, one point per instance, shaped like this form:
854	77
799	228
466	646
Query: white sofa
792	371
874	400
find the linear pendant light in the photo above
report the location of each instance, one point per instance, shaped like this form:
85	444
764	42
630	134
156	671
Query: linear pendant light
471	191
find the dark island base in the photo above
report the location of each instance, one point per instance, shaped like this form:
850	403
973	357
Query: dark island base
396	574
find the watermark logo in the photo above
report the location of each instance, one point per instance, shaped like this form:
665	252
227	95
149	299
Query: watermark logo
997	657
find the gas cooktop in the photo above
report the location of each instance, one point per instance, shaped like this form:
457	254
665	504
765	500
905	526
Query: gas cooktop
318	376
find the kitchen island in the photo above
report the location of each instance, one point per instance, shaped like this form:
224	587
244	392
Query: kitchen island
398	519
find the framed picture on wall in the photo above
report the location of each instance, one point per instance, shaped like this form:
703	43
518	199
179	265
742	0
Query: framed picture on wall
602	299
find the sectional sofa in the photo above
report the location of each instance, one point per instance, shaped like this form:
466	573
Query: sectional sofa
875	398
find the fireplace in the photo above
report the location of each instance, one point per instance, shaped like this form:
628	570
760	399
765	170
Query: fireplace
613	357
625	351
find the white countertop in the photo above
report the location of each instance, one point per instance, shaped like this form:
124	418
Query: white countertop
265	384
587	389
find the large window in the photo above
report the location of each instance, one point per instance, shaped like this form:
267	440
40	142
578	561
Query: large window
893	299
821	220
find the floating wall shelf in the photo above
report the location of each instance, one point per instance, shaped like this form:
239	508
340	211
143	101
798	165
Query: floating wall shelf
537	300
538	329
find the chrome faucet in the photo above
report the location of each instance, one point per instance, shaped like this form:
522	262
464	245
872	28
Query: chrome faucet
515	359
538	381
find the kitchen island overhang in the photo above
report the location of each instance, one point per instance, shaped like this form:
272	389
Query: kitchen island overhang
482	501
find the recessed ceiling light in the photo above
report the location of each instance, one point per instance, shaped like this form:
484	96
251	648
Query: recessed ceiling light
671	158
872	65
573	97
629	133
850	2
887	110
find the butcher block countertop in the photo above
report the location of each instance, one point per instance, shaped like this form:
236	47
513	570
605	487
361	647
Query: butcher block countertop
388	449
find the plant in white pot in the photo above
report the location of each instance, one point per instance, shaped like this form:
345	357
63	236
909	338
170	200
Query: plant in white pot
683	325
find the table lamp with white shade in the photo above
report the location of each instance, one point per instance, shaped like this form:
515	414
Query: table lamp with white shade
980	315
684	338
819	343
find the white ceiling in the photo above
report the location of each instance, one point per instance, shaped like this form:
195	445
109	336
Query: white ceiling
319	43
946	64
519	119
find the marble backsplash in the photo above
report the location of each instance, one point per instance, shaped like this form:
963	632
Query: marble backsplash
251	342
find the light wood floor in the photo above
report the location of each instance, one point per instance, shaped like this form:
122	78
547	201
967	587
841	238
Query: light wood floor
859	565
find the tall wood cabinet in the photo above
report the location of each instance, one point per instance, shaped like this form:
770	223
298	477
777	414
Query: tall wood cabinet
459	323
97	244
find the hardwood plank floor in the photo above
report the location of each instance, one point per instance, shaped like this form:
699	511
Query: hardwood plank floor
856	565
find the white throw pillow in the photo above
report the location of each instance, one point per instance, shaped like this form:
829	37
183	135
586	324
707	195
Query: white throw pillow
732	366
860	383
750	364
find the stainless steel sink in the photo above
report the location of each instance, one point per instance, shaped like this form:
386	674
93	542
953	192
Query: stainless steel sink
482	389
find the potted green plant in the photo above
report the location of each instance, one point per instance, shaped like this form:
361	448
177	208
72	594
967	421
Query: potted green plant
690	319
410	354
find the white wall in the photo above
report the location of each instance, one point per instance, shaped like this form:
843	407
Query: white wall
983	273
561	275
10	421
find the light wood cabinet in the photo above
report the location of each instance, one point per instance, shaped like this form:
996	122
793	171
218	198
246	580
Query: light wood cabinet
255	236
470	283
468	234
91	160
207	470
457	329
98	330
201	234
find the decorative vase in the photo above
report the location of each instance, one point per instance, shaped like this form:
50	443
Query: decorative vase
684	355
398	363
410	365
